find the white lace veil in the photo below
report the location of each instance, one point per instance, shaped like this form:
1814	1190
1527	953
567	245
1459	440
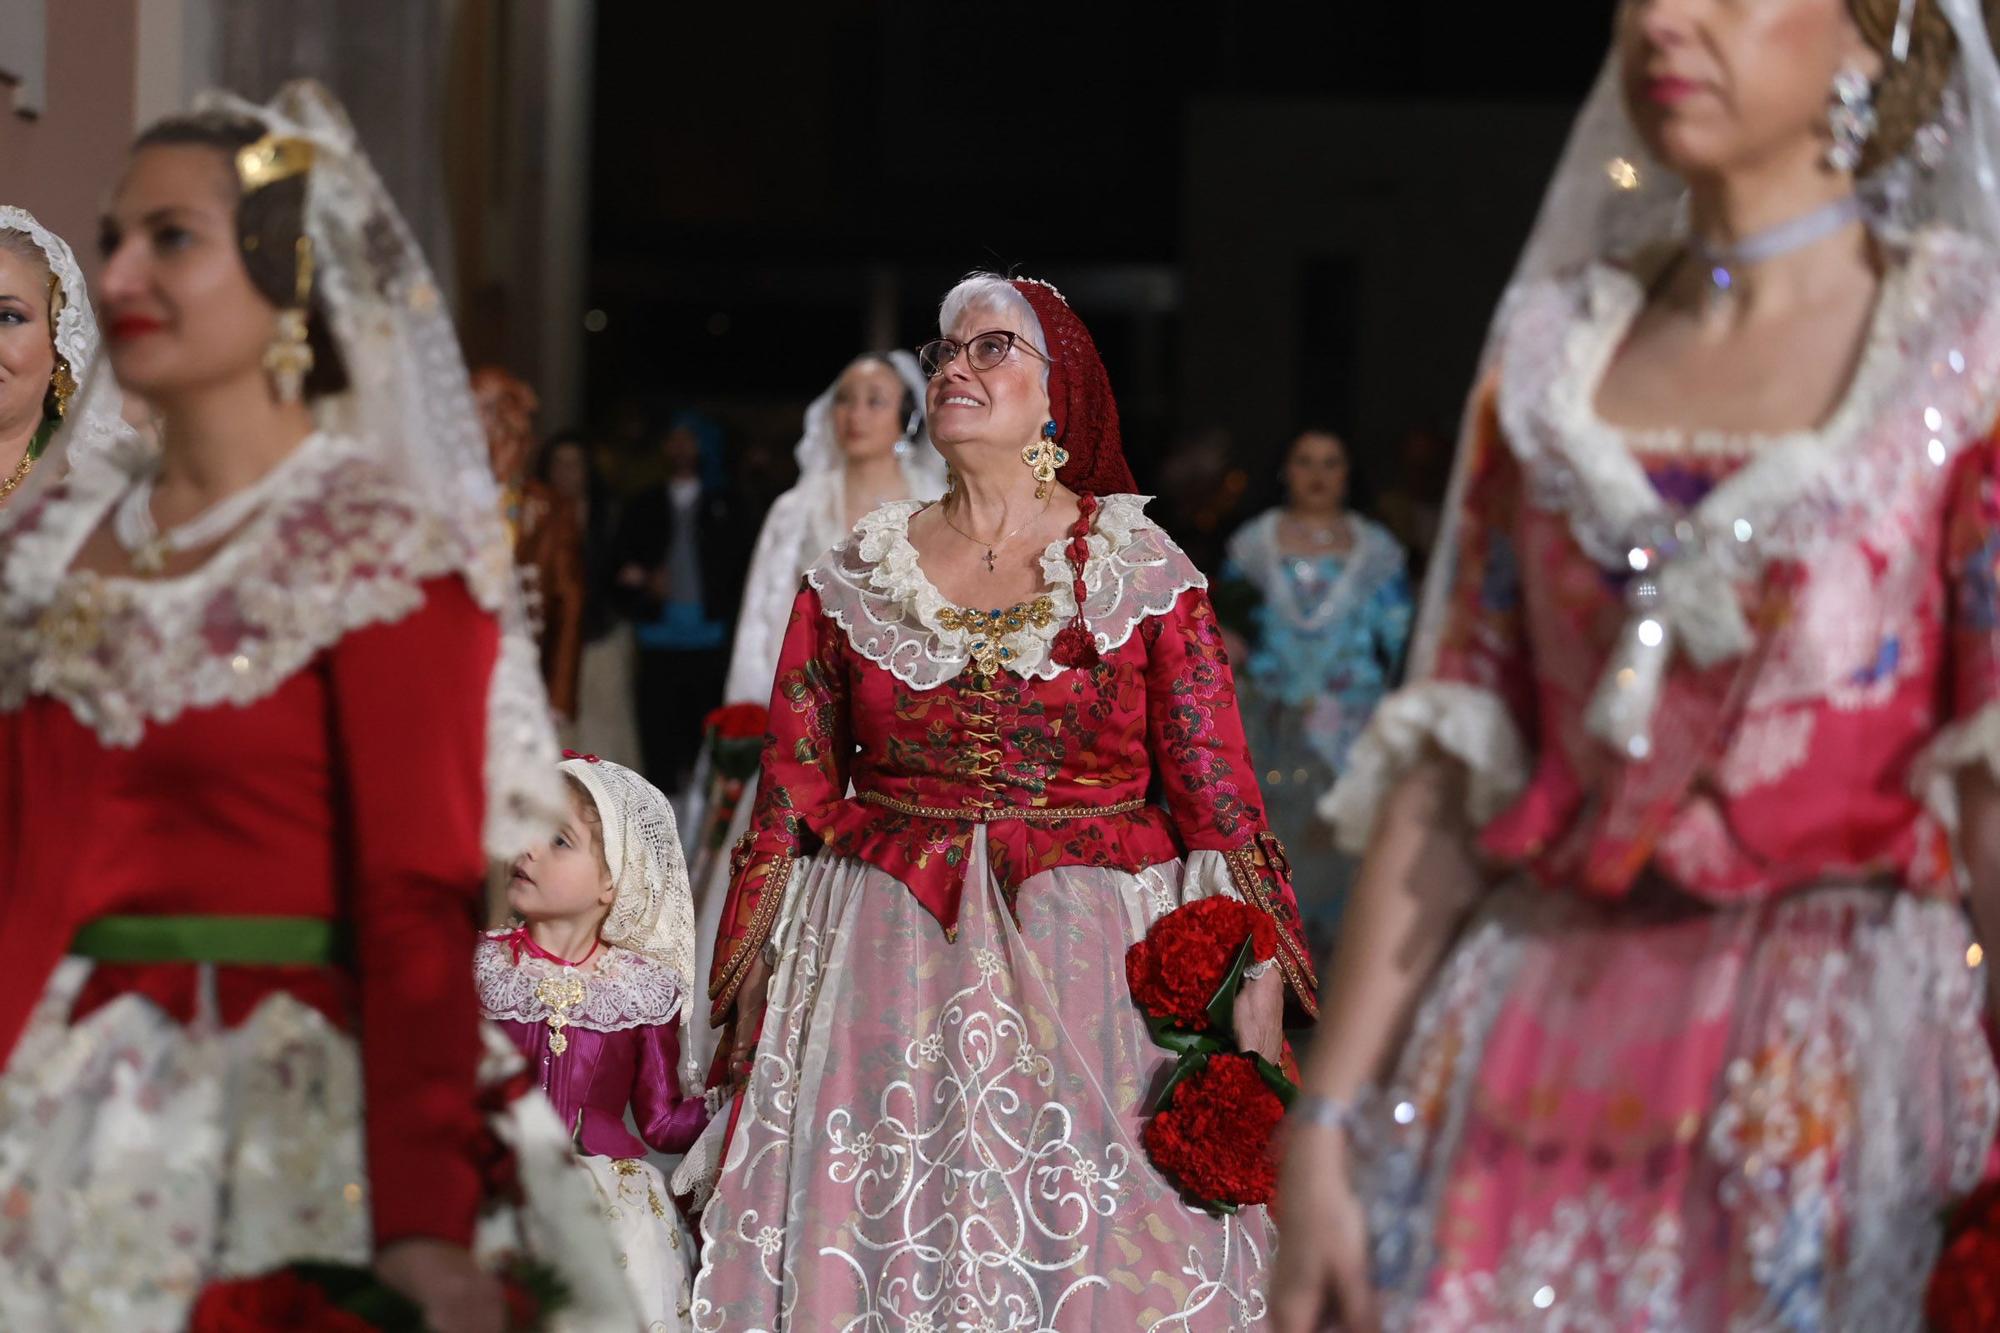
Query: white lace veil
1610	199
818	452
653	910
410	406
94	423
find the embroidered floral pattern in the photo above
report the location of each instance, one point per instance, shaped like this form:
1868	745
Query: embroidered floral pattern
339	546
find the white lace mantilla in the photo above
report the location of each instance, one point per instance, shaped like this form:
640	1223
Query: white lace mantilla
338	547
874	588
1464	721
624	990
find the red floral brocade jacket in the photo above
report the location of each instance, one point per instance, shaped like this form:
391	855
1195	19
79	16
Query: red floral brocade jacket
939	727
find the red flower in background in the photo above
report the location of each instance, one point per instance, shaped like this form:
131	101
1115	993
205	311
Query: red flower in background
276	1301
1175	971
739	722
1216	1133
1964	1294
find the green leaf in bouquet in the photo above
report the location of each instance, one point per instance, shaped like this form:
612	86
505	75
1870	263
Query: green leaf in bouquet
360	1293
1274	1079
1189	1064
1180	1040
1222	1009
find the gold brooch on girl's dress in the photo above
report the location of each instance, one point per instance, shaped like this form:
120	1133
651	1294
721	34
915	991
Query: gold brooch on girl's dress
561	994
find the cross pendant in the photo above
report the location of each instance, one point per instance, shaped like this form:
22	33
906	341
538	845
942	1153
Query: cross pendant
989	560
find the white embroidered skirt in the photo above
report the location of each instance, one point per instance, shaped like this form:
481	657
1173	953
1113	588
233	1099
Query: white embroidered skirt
141	1159
944	1135
653	1248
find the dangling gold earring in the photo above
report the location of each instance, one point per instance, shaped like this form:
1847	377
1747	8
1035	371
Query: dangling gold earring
62	387
1044	456
950	479
289	358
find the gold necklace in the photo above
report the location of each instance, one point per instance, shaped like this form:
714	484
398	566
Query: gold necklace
21	471
992	546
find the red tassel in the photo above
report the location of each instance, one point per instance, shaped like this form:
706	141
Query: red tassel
1075	645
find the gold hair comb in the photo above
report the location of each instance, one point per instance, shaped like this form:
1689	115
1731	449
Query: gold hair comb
271	159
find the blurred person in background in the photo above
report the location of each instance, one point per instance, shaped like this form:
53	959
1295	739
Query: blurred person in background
1322	642
680	556
548	544
605	723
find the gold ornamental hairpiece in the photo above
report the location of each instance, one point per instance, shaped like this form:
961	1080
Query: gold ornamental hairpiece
273	158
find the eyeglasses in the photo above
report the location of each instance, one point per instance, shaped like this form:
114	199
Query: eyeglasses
983	351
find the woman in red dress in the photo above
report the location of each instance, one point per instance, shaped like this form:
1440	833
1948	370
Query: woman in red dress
265	708
940	1127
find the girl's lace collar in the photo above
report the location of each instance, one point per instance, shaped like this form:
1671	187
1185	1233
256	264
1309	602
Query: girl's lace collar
621	990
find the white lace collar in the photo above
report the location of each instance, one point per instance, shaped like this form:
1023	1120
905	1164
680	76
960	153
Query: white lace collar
873	586
1922	389
624	989
335	548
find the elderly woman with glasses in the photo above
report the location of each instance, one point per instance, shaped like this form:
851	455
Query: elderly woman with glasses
943	1073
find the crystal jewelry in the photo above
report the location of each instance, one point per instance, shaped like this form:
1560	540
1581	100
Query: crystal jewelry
992	547
1724	262
132	522
1044	456
1851	119
1322	1112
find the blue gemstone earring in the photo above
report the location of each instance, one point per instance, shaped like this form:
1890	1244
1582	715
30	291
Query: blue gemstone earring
1044	456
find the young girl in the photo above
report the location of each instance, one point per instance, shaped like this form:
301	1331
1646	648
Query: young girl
593	987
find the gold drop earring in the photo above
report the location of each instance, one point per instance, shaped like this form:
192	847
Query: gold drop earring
289	358
1044	456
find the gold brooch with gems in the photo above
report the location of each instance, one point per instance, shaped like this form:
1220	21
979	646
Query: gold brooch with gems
561	994
989	627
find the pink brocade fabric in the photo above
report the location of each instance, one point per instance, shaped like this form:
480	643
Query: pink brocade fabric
1645	1118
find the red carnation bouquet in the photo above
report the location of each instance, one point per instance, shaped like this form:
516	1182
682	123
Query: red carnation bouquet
1964	1295
1213	1126
345	1298
735	745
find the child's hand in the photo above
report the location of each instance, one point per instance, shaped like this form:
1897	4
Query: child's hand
746	1019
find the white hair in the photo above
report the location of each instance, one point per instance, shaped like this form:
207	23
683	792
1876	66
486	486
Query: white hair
994	294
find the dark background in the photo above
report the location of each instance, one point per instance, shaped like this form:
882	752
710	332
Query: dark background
1266	216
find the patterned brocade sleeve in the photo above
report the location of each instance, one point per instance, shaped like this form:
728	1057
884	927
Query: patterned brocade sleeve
1211	788
1971	550
805	766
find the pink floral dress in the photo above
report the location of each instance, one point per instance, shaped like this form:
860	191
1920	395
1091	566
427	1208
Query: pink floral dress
1710	1057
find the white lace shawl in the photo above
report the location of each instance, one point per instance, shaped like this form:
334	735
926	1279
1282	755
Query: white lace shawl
873	587
1375	559
338	546
624	990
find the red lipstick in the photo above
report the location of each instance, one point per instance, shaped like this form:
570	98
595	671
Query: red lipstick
126	327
